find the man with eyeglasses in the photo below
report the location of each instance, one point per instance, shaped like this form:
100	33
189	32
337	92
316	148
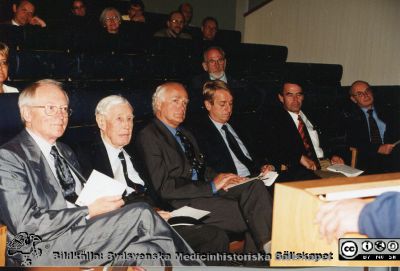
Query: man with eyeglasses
174	28
214	65
372	129
40	182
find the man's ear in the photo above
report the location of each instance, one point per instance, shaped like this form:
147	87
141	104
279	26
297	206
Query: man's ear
353	99
204	66
101	122
208	105
280	97
14	8
26	114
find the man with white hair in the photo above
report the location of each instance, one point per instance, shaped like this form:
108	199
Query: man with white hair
39	183
110	154
178	174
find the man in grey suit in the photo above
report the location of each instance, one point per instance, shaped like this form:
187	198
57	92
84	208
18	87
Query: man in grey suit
39	182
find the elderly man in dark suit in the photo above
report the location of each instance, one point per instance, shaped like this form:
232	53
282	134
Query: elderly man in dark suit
179	176
110	154
372	129
39	183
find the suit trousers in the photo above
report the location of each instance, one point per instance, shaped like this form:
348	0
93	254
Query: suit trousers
130	231
241	208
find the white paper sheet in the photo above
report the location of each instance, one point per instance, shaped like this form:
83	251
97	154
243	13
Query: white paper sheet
190	212
99	185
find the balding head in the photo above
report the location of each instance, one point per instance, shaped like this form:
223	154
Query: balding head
361	94
169	103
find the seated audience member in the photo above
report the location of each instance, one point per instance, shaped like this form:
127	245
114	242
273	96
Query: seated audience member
23	14
78	8
377	219
40	182
214	64
177	172
296	142
110	155
174	27
187	10
372	129
113	37
226	147
4	70
209	28
136	11
110	19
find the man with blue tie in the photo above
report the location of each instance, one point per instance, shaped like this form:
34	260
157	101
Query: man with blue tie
178	174
39	183
372	129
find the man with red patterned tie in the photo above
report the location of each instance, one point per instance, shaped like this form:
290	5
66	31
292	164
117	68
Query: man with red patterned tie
297	143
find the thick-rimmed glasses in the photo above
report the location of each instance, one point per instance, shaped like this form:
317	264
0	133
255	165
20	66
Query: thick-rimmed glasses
365	93
52	110
112	18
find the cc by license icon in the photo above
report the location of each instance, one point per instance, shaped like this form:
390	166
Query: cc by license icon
348	249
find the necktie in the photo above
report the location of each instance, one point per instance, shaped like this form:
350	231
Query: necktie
64	176
305	137
139	189
234	146
373	129
190	154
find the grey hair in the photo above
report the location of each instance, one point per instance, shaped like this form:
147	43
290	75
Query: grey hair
103	14
27	96
219	49
158	96
106	103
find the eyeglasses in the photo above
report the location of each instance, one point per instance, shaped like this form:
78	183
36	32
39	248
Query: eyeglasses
365	93
113	18
213	61
3	63
52	110
78	7
177	21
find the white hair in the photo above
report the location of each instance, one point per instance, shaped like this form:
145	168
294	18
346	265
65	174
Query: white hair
158	96
106	103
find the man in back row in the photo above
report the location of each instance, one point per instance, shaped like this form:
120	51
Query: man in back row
39	184
177	172
23	14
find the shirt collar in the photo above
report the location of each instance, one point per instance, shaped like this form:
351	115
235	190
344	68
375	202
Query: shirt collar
112	151
222	78
14	23
44	146
171	129
364	109
217	124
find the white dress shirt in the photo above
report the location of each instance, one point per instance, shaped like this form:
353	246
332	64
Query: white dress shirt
222	78
311	131
8	89
241	169
45	148
117	168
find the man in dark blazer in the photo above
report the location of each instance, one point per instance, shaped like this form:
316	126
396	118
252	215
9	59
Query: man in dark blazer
214	65
23	14
39	182
376	154
221	150
300	152
178	174
114	117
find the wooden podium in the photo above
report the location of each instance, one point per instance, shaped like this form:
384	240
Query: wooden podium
295	207
3	244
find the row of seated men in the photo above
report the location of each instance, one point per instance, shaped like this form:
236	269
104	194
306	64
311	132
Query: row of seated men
168	164
111	33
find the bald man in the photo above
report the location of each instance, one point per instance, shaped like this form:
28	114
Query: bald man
372	129
178	174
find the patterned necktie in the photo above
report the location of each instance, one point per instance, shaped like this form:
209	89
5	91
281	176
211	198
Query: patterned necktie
64	176
234	146
139	189
190	154
373	129
305	137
